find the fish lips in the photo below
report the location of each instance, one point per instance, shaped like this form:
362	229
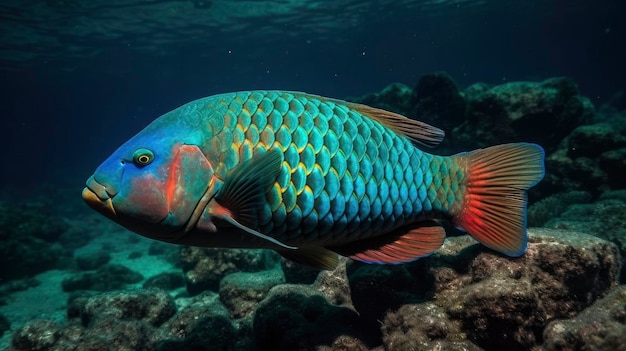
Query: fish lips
97	197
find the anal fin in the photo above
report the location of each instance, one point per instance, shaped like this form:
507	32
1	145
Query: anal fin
316	257
404	244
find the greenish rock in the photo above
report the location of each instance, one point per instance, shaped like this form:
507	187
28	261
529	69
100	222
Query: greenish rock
204	268
297	273
541	112
423	327
209	333
241	292
5	325
592	140
600	327
152	306
553	206
166	281
92	260
106	278
470	297
613	162
605	218
395	97
439	101
291	321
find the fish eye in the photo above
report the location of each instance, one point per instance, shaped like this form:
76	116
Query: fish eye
143	157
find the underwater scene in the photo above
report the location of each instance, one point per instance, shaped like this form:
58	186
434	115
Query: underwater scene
313	175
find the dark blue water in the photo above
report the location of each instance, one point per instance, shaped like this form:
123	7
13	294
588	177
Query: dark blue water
77	80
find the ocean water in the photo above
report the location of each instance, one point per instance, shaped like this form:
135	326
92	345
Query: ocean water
79	78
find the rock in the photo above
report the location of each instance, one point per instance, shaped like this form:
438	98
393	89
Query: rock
28	232
605	218
613	162
395	97
166	281
423	327
463	297
564	174
487	299
123	320
543	113
37	335
334	285
27	256
5	325
152	306
92	260
592	140
209	333
108	277
553	206
191	311
241	292
205	267
437	100
291	321
296	273
395	284
33	219
600	327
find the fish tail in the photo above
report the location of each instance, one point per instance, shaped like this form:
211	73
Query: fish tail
495	199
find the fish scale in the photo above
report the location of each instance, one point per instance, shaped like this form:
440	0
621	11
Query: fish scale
344	174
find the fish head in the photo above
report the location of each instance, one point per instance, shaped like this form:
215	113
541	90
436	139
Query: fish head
153	183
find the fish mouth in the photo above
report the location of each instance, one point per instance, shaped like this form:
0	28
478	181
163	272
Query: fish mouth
97	197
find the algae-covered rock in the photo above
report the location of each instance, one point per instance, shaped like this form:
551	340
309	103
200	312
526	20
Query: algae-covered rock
106	278
152	306
463	297
110	321
439	101
472	294
543	113
28	232
292	321
600	327
605	218
241	292
92	260
166	281
205	267
395	97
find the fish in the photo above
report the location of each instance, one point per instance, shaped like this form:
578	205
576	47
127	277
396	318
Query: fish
312	178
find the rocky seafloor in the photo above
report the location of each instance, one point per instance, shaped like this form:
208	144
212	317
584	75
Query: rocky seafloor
74	281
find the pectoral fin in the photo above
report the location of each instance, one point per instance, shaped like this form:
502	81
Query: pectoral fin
242	195
405	244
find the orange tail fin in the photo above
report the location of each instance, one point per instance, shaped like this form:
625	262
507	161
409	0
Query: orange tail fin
494	207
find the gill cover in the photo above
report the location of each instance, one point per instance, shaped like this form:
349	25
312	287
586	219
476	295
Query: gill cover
160	190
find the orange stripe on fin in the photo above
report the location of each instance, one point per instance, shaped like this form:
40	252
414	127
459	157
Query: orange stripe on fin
494	207
404	244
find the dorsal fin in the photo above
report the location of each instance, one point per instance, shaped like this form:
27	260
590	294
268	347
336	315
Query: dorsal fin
418	132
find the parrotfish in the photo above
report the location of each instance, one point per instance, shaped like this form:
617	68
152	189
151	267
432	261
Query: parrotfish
311	178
